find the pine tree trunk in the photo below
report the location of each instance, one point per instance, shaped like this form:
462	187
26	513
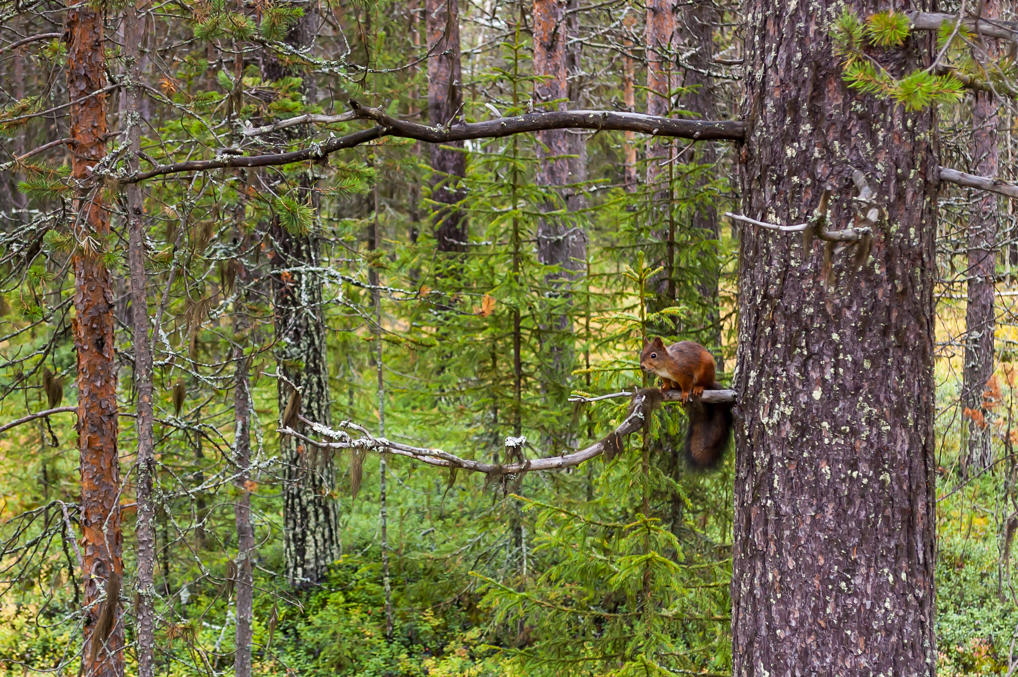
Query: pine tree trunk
445	99
980	313
833	560
560	165
94	343
698	21
630	180
660	32
242	509
310	512
145	535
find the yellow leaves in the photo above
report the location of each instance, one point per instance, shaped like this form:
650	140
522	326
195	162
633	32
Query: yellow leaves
487	305
991	394
1010	373
976	416
168	86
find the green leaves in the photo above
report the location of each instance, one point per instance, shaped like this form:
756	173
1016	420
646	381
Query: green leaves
863	72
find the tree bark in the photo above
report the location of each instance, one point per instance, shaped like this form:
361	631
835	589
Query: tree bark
660	31
445	99
94	343
145	535
698	21
833	563
629	179
980	312
310	512
242	509
561	242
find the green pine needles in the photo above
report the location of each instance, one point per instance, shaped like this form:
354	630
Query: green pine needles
854	39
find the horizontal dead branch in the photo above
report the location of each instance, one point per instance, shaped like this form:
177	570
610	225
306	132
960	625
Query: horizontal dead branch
268	160
655	125
817	223
308	118
995	28
698	130
643	403
711	396
975	181
38	414
796	228
30	39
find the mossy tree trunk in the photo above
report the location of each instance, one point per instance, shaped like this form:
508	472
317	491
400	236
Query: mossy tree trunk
833	568
978	394
310	512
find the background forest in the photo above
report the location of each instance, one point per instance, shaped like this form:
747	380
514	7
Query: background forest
301	309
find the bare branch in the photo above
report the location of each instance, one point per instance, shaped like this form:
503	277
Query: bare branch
54	109
35	151
300	120
932	21
38	414
817	223
710	396
30	39
799	227
699	130
316	151
982	182
643	403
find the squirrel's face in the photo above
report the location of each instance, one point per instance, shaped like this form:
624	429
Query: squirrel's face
650	360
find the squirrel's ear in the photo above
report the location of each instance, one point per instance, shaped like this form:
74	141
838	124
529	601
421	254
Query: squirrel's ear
657	342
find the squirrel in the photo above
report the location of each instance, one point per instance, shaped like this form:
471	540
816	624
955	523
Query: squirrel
688	367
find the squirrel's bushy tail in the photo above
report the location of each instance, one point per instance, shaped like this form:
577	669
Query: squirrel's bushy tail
710	427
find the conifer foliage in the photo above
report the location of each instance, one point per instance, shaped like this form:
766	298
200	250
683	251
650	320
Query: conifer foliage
297	297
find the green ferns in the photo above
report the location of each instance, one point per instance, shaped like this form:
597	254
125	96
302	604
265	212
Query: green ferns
916	90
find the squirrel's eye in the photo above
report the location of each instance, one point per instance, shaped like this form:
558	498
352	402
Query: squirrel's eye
653	356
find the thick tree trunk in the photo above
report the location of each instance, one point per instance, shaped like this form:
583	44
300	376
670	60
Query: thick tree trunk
561	242
630	180
94	343
980	313
834	506
660	31
310	512
445	99
698	22
145	535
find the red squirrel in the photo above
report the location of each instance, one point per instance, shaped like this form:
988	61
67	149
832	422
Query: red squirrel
688	367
